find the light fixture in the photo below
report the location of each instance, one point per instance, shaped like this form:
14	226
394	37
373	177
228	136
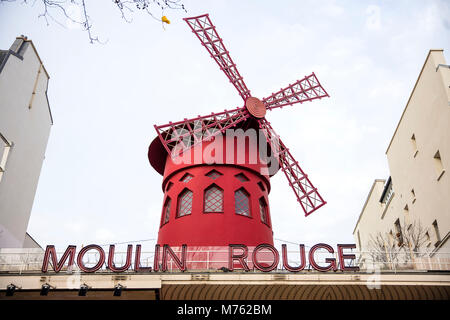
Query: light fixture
118	290
83	290
45	289
10	290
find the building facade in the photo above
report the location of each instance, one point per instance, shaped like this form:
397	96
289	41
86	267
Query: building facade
25	122
406	218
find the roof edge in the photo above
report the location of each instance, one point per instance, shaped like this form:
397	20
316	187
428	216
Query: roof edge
367	200
410	96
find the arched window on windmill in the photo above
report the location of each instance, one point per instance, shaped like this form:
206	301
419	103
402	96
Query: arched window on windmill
185	203
242	202
166	211
263	210
213	199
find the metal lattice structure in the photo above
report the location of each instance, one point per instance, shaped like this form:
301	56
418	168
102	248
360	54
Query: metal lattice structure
177	137
213	199
213	174
186	178
185	203
167	210
263	210
242	202
241	177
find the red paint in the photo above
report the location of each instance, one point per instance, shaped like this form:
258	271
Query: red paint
286	261
100	262
137	261
178	137
331	261
127	265
50	252
236	256
180	262
240	257
261	266
212	229
343	257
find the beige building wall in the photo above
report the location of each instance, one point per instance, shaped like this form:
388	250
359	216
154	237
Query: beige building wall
25	122
418	157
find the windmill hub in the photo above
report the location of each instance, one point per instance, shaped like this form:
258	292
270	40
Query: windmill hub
255	107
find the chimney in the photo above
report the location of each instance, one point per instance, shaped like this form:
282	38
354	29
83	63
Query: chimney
18	43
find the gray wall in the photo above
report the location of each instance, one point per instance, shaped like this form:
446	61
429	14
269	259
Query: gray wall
28	130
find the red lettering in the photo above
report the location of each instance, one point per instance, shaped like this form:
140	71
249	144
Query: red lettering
331	261
343	256
168	251
240	257
261	267
50	252
137	261
286	262
100	262
126	266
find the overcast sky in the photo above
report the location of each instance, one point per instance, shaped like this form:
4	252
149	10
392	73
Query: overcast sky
96	184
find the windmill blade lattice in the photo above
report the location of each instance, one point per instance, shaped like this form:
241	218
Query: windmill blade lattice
307	195
180	136
208	36
306	89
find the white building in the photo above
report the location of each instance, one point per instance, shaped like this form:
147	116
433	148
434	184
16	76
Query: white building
25	122
414	203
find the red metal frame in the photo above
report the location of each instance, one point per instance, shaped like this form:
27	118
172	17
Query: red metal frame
191	132
206	33
307	195
306	89
180	136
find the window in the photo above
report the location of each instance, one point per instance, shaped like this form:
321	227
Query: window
186	178
388	192
169	185
428	238
263	210
5	147
185	203
242	202
438	165
436	233
261	186
213	174
166	210
414	145
406	211
241	177
213	199
398	230
413	194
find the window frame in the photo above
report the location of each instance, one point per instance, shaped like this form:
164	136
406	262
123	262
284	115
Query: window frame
214	171
247	194
184	176
266	211
164	211
5	150
213	185
179	203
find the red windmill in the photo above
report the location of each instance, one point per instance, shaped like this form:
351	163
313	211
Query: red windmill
208	204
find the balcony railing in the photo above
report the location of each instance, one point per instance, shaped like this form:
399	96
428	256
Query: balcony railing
31	260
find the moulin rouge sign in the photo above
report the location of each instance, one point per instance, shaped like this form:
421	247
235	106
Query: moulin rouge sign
238	255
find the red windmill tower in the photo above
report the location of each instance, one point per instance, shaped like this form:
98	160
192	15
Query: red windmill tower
216	203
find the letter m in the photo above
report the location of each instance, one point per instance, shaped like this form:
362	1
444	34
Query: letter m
50	253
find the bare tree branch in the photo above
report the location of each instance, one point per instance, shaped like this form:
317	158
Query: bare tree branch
53	8
408	243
